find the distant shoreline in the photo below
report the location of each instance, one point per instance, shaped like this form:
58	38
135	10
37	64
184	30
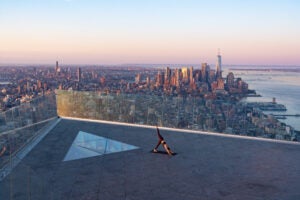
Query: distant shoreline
267	69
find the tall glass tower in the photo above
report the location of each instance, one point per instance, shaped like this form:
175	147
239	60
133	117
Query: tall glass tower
219	65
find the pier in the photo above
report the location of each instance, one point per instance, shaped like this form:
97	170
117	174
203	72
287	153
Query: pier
267	106
286	115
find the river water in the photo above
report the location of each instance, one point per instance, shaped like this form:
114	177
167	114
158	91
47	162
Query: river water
280	83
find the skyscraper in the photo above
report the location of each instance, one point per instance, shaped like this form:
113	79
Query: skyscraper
160	78
230	80
191	74
148	80
138	78
204	72
56	67
175	79
79	74
185	74
167	77
219	66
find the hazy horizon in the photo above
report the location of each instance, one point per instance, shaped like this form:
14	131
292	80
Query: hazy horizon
225	66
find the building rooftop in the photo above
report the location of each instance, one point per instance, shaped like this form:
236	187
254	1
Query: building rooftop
207	165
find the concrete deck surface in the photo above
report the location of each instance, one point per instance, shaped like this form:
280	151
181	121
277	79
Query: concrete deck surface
206	167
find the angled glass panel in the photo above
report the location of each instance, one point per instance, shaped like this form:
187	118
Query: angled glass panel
84	137
88	145
113	146
76	152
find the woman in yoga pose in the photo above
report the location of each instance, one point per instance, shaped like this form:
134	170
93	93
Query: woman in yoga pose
163	143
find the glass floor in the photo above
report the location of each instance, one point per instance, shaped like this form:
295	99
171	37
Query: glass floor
89	145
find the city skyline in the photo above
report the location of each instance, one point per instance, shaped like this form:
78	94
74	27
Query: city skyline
156	32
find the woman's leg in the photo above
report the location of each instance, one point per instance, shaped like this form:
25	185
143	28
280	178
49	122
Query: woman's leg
155	148
167	148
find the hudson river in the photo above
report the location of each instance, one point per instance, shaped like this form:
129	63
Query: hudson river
283	83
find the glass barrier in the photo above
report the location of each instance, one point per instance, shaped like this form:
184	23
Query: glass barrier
21	124
29	113
194	113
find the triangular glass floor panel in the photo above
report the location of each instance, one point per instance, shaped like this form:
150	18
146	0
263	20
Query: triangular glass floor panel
76	152
88	145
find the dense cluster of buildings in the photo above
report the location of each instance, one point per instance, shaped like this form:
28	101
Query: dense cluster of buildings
22	84
188	81
186	97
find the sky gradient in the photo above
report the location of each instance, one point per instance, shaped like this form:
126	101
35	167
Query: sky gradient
250	32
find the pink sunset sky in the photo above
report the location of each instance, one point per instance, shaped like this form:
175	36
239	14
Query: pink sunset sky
157	31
